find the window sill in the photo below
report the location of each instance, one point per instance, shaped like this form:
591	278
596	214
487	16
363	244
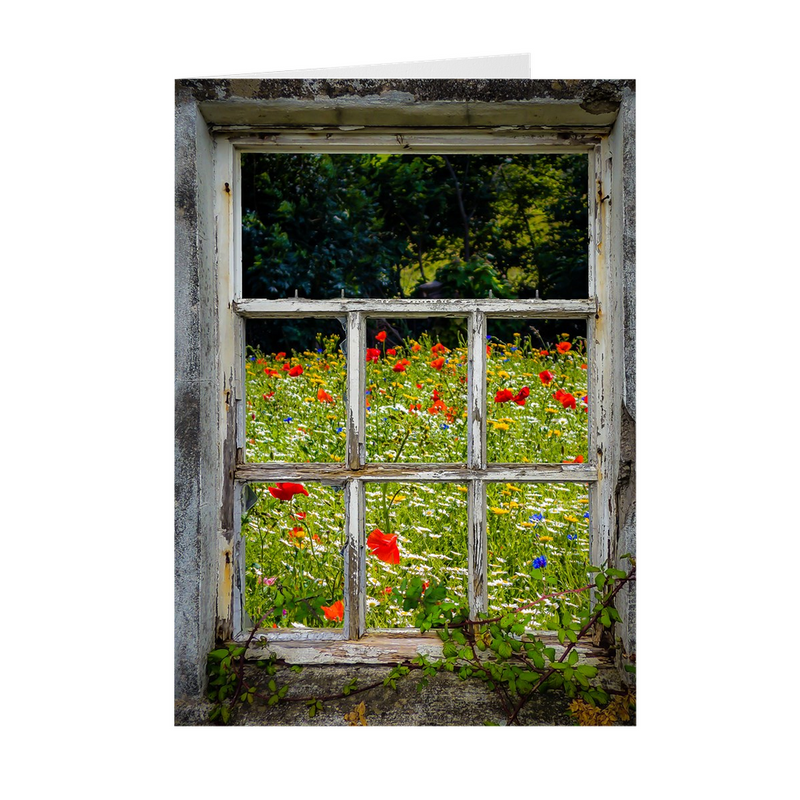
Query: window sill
320	647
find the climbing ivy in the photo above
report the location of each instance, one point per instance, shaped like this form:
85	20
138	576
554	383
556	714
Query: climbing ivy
513	662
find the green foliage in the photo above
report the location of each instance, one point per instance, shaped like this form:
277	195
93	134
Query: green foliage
382	225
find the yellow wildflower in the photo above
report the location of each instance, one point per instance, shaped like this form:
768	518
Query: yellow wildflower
570	518
499	511
545	538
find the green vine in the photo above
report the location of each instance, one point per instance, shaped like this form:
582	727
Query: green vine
513	662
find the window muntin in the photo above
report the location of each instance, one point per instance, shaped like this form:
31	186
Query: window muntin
356	472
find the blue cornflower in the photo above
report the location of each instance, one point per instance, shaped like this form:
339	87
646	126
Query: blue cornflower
488	337
445	427
288	419
251	358
540	562
369	391
586	515
536	517
319	349
572	536
505	359
339	430
514	348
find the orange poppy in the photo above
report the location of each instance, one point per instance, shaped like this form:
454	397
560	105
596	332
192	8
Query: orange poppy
384	546
437	363
381	337
563	347
295	371
335	611
323	396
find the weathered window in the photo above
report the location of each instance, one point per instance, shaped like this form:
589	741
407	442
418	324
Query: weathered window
353	476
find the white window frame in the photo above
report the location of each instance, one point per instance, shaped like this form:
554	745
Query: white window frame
602	310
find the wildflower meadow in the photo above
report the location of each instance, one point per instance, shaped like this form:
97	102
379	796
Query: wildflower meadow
416	533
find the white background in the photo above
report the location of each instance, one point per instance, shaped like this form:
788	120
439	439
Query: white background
88	397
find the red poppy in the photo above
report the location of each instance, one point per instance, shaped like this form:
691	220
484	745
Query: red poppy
323	396
391	352
381	337
565	398
439	348
286	491
544	352
387	590
268	395
418	385
295	371
384	546
563	347
503	396
300	515
584	366
519	397
437	363
286	367
416	347
546	376
271	373
373	354
436	395
334	612
400	366
280	356
488	349
297	532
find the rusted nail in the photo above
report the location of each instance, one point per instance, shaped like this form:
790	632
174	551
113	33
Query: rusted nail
227	188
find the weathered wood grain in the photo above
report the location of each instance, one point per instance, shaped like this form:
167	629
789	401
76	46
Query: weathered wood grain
298	307
378	647
355	560
356	387
477	567
337	474
509	139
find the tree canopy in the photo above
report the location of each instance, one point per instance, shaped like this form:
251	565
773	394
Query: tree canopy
378	225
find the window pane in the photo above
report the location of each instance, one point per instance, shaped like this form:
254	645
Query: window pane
538	544
537	391
414	225
416	391
294	535
295	395
429	522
